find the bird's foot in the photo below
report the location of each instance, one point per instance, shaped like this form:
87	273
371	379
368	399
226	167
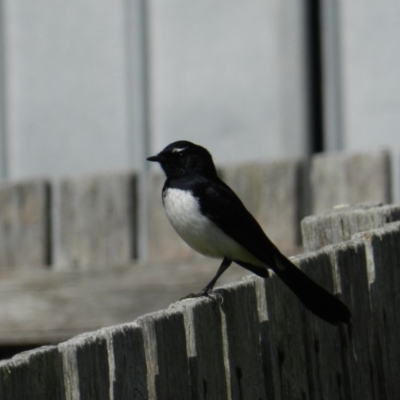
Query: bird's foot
205	293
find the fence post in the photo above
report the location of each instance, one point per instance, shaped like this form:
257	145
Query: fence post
94	221
208	378
25	225
241	340
383	258
341	177
86	367
165	345
341	223
35	374
127	362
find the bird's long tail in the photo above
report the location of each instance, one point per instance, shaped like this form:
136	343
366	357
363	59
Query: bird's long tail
314	297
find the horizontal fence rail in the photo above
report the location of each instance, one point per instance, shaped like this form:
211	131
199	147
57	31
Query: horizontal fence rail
253	341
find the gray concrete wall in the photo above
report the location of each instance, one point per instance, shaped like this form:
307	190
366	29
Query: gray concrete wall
361	81
90	86
230	76
370	63
65	86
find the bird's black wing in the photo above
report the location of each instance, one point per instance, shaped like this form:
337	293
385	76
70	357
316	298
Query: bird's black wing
224	208
221	205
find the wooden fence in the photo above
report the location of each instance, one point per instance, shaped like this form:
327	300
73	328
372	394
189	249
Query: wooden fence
258	342
90	223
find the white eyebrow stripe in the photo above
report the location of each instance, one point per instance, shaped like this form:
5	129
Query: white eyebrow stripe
178	150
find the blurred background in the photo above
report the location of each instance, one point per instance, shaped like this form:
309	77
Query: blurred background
89	89
89	86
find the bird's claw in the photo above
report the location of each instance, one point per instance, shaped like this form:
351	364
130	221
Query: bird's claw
203	293
214	296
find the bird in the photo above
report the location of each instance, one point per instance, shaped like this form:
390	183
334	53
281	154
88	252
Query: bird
208	215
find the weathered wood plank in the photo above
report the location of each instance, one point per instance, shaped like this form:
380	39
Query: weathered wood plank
208	378
89	300
33	375
241	341
273	193
328	181
286	347
338	178
24	225
341	223
265	331
383	259
361	369
369	177
166	355
95	221
128	371
86	367
322	343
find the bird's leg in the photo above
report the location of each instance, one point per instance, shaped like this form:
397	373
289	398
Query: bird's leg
226	262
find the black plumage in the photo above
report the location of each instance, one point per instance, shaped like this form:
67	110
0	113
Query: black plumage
210	217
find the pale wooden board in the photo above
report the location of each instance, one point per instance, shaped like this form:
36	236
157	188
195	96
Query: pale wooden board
324	343
86	367
349	260
128	371
369	177
47	307
288	376
383	258
166	355
206	354
339	224
24	225
242	340
341	177
94	221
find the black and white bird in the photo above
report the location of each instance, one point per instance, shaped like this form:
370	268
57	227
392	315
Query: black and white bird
211	219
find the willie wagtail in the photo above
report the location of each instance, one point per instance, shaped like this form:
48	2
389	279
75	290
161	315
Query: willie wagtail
211	219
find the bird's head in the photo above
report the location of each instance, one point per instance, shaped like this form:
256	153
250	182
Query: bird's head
184	158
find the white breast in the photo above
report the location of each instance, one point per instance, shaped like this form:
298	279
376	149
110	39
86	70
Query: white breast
183	212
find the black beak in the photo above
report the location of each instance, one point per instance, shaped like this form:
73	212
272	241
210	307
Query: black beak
156	158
